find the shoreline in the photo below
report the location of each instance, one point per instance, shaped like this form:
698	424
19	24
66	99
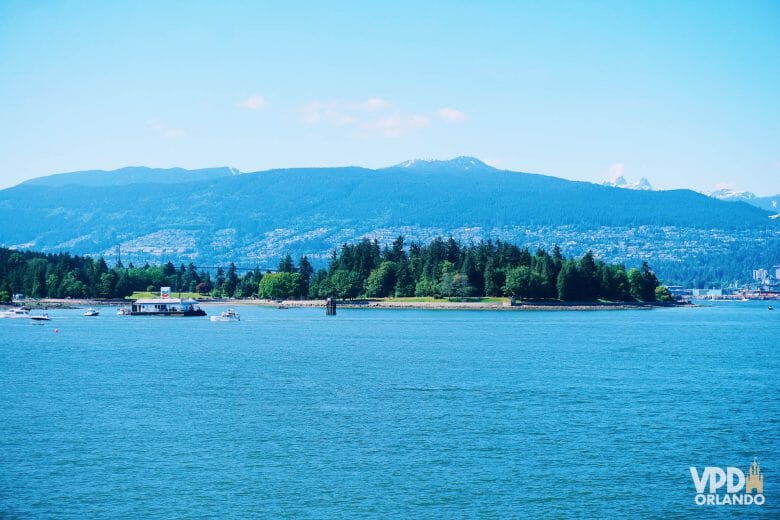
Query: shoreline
377	304
476	306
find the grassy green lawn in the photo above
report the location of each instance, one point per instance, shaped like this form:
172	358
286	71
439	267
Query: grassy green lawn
491	299
144	294
414	299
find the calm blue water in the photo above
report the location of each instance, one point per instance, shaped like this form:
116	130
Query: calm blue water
386	413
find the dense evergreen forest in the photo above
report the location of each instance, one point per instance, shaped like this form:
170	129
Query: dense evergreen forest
442	268
62	275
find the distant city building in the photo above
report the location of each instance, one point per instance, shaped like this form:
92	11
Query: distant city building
707	293
679	292
760	275
17	297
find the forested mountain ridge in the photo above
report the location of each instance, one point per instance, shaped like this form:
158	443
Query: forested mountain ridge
131	175
217	216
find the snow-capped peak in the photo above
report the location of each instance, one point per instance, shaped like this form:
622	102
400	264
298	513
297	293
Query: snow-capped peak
620	182
731	194
458	163
411	163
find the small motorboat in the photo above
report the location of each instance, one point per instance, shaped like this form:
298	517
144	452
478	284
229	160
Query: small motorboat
21	312
91	312
228	315
40	317
282	307
123	311
771	308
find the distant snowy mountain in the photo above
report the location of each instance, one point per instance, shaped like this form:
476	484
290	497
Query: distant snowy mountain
621	182
461	163
731	195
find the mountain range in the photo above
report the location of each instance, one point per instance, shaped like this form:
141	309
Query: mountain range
218	215
621	182
768	203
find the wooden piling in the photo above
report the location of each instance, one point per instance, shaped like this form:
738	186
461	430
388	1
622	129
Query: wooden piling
330	307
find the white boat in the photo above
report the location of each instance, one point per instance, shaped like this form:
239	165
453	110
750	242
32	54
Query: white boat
123	311
228	315
16	312
91	312
40	317
165	306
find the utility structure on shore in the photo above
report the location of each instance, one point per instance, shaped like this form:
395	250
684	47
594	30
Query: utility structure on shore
330	307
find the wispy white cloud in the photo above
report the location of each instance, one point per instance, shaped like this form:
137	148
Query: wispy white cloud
330	112
164	131
389	126
374	115
396	125
451	115
374	103
256	102
616	170
419	121
341	113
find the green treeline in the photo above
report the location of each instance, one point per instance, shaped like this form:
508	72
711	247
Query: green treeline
444	269
449	269
40	275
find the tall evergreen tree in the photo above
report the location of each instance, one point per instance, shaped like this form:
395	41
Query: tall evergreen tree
231	281
404	284
286	264
588	277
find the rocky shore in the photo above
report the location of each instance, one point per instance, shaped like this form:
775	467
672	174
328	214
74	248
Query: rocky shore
375	304
438	305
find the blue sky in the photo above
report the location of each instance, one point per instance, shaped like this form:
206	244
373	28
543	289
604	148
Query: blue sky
686	94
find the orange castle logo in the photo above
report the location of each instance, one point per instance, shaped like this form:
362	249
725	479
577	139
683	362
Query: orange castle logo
755	479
